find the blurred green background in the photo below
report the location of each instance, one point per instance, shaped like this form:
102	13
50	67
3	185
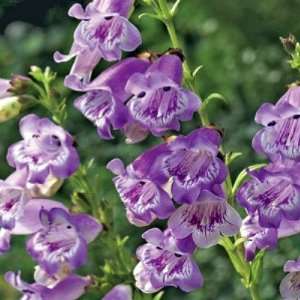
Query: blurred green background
236	41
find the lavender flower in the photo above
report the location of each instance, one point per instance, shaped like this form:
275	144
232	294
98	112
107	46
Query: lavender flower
140	187
159	102
45	149
273	193
194	165
119	292
18	215
290	285
205	220
161	264
62	239
104	32
257	237
105	97
279	139
71	288
4	88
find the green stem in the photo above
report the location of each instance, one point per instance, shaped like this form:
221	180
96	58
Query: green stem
254	292
168	20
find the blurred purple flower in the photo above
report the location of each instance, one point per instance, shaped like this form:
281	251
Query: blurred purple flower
140	187
119	292
104	32
205	221
194	165
290	285
71	288
62	239
105	97
161	264
274	195
45	149
4	88
159	102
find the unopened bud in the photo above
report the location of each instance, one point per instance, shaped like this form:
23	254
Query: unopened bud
10	107
19	84
289	43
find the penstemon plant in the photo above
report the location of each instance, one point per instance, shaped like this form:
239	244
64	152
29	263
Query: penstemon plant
184	180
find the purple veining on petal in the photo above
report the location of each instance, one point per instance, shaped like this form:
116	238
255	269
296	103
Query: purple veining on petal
59	242
159	102
205	220
162	265
274	195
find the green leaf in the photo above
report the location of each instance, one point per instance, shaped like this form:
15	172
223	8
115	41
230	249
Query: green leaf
196	71
215	96
239	242
149	15
158	296
231	157
175	7
257	267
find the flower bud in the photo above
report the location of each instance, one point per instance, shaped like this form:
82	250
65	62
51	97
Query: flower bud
289	43
19	84
10	107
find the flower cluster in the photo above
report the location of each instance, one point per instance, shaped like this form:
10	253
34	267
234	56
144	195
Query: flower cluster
182	181
136	95
272	195
58	239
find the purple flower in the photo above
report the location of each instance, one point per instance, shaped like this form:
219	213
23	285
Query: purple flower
257	237
62	239
279	139
140	187
292	97
119	292
290	285
22	217
4	88
161	264
71	288
205	221
104	32
194	165
273	195
45	149
12	202
159	102
104	100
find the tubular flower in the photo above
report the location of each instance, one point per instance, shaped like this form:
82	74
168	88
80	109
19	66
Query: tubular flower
257	237
18	214
161	264
290	285
119	292
62	240
45	149
274	195
280	138
158	100
105	97
103	32
193	164
205	220
140	187
71	288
